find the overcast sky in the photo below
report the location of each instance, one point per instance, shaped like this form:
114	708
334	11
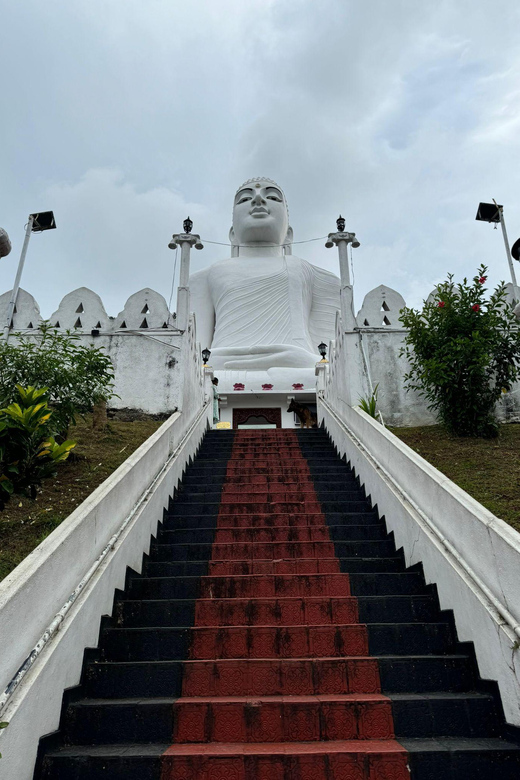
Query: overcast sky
125	116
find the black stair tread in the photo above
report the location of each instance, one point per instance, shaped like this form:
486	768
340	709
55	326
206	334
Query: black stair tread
126	749
440	695
167	701
130	702
347	529
386	658
455	744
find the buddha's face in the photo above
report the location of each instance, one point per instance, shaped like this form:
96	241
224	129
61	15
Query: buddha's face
260	215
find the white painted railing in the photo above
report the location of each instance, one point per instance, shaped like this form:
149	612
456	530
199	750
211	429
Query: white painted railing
51	604
472	556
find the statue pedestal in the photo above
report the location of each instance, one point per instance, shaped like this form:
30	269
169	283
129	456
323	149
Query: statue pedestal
265	393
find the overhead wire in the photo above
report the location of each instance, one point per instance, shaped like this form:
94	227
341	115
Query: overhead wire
286	243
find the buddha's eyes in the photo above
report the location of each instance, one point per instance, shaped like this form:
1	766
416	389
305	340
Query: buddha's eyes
244	198
274	197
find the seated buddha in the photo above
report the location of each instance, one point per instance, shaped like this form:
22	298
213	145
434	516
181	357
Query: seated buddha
263	308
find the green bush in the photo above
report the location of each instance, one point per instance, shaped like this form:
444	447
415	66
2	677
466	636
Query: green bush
464	351
28	451
369	404
76	376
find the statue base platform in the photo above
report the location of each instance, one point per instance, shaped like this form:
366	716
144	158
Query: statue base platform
260	398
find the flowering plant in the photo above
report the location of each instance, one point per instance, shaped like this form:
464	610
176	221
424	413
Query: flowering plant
463	349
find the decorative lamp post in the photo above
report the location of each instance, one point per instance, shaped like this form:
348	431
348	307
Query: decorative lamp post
322	348
37	223
342	239
206	354
185	240
493	212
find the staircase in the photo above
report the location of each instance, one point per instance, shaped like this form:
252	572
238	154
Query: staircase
276	634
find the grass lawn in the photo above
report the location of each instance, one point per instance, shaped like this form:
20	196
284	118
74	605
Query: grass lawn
25	523
487	469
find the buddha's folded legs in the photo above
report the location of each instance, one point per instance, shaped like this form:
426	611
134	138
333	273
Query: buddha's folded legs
262	357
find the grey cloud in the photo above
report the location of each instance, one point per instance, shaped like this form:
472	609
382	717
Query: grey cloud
400	115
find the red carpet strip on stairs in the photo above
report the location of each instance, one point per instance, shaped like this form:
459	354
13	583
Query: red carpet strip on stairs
279	684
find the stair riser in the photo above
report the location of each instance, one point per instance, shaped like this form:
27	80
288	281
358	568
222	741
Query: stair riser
199	722
276	612
267	534
112	766
322	766
122	681
102	724
275	520
252	505
274	678
298	641
307	611
302	566
434	717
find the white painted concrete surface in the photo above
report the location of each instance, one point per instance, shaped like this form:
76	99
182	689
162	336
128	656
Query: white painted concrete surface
472	556
38	588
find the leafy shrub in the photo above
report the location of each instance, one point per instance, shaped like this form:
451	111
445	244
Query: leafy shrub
463	350
76	376
28	451
369	404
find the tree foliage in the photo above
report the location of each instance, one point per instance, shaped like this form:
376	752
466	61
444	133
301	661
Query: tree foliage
76	376
464	351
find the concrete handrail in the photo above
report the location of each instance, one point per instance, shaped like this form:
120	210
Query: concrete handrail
118	479
472	556
51	604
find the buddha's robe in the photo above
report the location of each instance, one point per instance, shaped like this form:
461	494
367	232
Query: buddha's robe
260	313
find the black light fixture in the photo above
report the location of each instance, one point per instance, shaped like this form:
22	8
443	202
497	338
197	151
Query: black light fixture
187	225
340	223
323	350
488	212
44	220
206	354
494	212
37	223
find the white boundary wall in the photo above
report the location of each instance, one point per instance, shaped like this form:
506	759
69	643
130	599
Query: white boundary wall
472	556
133	497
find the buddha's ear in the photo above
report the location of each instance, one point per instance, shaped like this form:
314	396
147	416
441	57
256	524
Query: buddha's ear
287	244
232	241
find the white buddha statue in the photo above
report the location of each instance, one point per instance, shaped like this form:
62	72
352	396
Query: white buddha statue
263	308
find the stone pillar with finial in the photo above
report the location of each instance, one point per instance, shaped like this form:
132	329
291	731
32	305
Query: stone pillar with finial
342	239
185	240
350	363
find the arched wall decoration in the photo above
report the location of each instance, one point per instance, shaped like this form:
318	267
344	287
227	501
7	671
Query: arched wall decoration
274	416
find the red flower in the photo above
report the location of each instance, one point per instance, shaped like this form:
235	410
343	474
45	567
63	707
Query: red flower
482	279
476	307
441	304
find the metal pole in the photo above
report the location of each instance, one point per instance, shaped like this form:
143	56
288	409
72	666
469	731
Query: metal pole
509	258
14	292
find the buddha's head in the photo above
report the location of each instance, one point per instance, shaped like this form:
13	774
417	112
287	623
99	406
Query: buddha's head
260	217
